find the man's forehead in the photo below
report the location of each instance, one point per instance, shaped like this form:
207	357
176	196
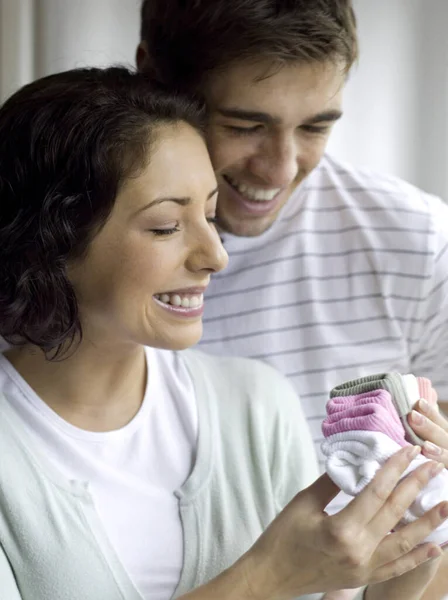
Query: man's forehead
247	85
293	95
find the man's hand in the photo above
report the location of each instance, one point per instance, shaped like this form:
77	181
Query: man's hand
304	550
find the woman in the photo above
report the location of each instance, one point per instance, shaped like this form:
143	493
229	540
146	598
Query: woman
128	470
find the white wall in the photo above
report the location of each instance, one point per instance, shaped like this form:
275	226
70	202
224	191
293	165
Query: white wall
432	119
381	99
39	37
74	33
396	100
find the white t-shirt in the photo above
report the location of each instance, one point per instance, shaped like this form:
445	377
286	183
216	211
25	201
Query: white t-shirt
351	280
132	472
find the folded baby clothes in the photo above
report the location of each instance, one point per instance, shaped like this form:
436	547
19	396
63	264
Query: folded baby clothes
354	457
363	429
403	393
371	411
427	391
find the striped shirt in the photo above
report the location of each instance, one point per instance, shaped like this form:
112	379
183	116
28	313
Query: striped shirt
352	279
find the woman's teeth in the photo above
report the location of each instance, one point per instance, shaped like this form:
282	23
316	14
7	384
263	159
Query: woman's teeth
183	301
253	193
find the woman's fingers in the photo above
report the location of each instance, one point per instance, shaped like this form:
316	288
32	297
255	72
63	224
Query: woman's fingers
431	426
410	586
401	542
408	562
402	497
341	595
431	411
371	501
434	452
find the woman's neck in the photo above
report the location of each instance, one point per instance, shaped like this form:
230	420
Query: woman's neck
95	388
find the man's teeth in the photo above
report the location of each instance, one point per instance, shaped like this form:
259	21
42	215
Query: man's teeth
190	301
253	193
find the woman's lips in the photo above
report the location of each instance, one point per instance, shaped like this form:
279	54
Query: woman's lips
187	303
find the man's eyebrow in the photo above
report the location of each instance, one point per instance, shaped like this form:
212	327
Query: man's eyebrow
183	201
261	117
249	115
324	117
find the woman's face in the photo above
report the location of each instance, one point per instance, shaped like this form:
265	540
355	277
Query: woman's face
143	277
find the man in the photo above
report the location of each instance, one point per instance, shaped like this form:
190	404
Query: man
334	273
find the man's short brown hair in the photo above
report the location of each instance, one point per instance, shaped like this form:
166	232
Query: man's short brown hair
189	39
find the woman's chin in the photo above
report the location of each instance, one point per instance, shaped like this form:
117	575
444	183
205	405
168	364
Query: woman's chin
179	341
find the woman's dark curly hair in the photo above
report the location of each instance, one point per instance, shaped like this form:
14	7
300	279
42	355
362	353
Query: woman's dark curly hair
67	143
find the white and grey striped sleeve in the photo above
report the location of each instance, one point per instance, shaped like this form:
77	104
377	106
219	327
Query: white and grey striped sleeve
430	351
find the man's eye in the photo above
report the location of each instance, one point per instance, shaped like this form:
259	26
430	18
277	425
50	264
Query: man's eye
315	128
244	130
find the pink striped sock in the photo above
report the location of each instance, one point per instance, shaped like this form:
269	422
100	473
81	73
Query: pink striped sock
370	411
427	391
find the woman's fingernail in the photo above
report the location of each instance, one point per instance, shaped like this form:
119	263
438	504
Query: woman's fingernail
423	405
417	418
413	451
437	468
434	553
444	511
432	448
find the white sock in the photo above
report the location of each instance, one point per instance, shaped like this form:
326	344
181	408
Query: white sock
410	384
353	458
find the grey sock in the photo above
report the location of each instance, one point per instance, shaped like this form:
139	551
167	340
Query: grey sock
393	383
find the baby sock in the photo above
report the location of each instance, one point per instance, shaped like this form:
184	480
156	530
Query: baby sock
363	429
371	411
426	390
353	458
395	385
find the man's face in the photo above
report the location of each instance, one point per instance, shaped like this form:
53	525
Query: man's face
268	130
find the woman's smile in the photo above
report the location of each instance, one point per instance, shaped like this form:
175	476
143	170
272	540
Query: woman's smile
187	302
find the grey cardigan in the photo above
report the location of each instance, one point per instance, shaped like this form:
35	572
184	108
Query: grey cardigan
254	454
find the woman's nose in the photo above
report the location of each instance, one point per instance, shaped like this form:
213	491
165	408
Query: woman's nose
208	253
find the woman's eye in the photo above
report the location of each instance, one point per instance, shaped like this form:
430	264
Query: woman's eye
168	231
212	220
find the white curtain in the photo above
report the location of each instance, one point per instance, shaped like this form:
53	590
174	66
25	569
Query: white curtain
39	37
396	101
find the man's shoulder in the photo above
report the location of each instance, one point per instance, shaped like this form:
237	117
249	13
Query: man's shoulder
364	197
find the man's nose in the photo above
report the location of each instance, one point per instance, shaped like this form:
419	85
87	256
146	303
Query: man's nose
277	162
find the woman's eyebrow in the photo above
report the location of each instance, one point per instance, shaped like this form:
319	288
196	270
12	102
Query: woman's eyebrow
182	201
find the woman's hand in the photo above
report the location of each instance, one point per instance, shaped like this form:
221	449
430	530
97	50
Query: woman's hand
304	550
410	586
341	595
429	424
